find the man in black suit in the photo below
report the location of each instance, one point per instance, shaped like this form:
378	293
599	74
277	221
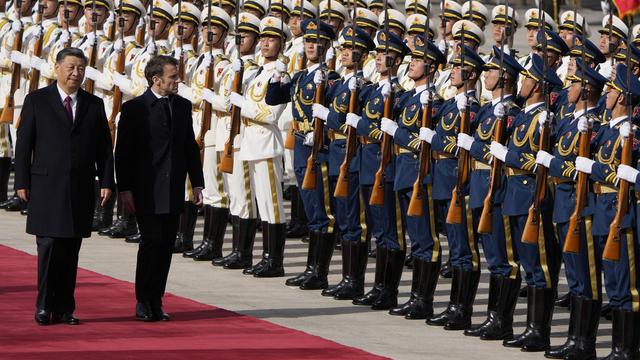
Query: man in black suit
63	143
155	150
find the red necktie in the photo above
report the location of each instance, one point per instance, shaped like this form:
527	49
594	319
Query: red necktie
67	106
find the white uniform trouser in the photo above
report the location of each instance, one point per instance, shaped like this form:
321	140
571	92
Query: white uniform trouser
238	186
6	149
214	191
266	185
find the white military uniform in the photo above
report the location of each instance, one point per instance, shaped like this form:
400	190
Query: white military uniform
5	143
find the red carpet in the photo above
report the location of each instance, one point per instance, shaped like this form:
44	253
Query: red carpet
108	331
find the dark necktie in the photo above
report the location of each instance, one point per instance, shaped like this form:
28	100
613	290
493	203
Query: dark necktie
167	108
67	106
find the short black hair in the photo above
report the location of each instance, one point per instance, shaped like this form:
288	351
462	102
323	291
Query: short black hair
70	51
155	66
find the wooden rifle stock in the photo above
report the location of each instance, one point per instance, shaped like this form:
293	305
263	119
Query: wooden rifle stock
141	34
485	224
611	250
226	163
205	124
455	212
342	185
532	227
572	240
377	193
311	173
117	96
416	204
34	80
89	84
9	103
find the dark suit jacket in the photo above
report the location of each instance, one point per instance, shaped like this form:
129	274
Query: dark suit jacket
154	154
58	161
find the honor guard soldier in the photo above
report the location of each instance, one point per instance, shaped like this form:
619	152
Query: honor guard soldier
475	11
335	17
208	106
462	244
569	30
500	21
538	256
397	26
368	22
415	26
355	45
5	147
384	217
485	196
377	6
451	13
98	38
619	265
556	49
613	31
532	19
582	268
254	7
49	31
425	245
262	148
301	90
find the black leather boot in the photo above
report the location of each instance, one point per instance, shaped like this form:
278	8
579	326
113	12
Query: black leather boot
297	226
502	326
126	227
248	228
206	210
97	209
423	306
585	347
540	304
235	241
446	270
318	280
625	336
461	318
559	352
5	172
106	231
563	300
354	282
442	318
372	295
297	280
274	266
14	204
403	309
265	251
346	248
105	218
186	227
495	282
388	297
214	237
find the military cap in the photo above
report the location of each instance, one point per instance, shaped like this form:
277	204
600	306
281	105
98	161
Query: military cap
553	41
620	82
532	19
309	10
396	19
499	16
356	36
134	6
474	10
163	10
365	18
590	49
471	31
590	76
108	4
272	26
379	4
77	2
420	6
189	12
218	17
567	22
313	28
249	22
432	51
471	58
281	6
621	54
337	10
509	63
618	27
395	44
451	10
537	73
258	5
416	22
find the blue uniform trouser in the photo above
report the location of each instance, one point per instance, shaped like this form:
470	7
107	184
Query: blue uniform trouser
463	249
538	260
583	269
499	251
421	230
621	277
316	202
385	221
349	219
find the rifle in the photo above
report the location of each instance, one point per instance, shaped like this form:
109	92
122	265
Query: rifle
416	204
290	141
532	227
611	250
89	85
443	24
180	34
208	83
141	33
226	163
311	172
572	239
342	185
152	27
65	14
37	51
9	103
377	193
485	224
456	206
117	93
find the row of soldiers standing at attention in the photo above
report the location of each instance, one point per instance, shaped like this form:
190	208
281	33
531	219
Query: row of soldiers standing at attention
390	125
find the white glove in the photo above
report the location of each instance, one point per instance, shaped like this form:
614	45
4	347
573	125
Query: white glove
90	39
461	102
584	124
177	52
386	89
353	84
465	141
151	47
498	151
19	58
36	62
544	118
206	60
280	68
389	126
424	96
300	50
236	99
16	26
352	120
117	45
37	31
442	46
426	134
318	77
625	130
584	164
320	111
544	158
91	73
64	37
208	95
308	139
329	55
236	65
498	110
627	173
121	81
604	5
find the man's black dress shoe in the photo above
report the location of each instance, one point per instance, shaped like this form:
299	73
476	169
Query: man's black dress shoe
158	313
43	317
143	312
65	319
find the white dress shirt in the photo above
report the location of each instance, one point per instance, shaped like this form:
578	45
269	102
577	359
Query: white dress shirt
74	100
